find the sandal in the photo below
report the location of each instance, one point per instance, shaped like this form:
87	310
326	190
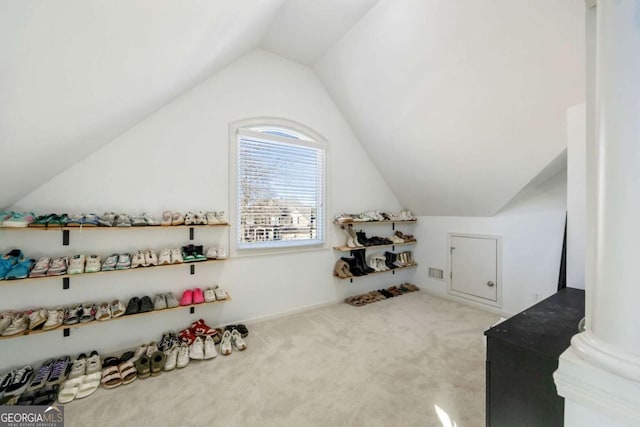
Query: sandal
88	313
93	363
89	385
111	377
70	389
128	371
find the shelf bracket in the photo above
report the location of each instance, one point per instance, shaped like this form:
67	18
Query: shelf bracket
65	237
192	310
191	233
192	269
351	280
66	332
65	282
393	226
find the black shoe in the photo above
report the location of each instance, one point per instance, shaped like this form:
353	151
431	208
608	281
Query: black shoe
21	380
146	304
133	307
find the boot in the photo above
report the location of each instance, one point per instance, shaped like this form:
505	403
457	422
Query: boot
362	238
340	271
353	235
350	243
390	258
360	257
354	268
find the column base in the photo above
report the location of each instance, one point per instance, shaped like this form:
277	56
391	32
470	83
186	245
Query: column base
596	395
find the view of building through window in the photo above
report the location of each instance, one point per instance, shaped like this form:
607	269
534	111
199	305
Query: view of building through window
280	190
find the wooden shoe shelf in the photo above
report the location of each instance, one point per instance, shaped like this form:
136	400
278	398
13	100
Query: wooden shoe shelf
392	245
66	278
66	328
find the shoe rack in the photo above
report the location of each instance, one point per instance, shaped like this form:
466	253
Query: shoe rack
66	278
364	248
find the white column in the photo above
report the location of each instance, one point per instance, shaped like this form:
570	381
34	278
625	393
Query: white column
599	375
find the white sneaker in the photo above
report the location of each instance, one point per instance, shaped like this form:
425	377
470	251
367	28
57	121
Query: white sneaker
221	294
76	265
183	356
171	299
150	257
152	348
225	344
212	253
140	351
78	368
237	341
211	218
209	295
176	256
19	324
220	217
138	260
171	359
54	319
221	253
196	351
165	257
209	348
5	321
37	318
159	302
93	265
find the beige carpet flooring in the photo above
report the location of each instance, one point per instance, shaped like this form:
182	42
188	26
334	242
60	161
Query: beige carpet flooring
414	360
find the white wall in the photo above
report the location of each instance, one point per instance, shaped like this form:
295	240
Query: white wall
576	196
532	227
178	159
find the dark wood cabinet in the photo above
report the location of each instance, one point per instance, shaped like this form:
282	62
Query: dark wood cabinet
522	355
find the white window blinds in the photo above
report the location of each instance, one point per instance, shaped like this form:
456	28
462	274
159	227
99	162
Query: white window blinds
280	189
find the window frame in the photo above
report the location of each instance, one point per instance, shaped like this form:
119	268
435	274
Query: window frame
255	128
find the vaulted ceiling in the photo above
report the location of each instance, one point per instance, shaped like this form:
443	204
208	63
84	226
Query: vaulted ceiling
459	103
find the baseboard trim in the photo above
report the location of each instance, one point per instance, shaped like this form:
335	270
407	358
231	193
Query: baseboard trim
287	313
493	310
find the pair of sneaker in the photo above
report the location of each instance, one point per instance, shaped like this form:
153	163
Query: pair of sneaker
79	264
16	219
231	339
216	253
192	253
203	348
215	293
112	310
117	262
165	300
170	256
192	296
177	357
15	382
16	324
14	265
144	259
208	218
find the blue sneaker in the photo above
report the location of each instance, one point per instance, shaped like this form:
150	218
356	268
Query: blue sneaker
8	260
21	269
19	220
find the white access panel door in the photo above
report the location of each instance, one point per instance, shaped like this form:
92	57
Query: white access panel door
474	263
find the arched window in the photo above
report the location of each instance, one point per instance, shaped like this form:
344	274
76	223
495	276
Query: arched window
279	185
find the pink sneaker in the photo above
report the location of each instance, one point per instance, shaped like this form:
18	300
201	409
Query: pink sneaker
198	296
187	297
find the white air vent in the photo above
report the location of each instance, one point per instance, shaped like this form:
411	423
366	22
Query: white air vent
436	273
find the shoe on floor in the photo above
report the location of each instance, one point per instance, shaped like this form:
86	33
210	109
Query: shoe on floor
21	380
158	360
209	348
183	356
171	358
237	341
225	344
196	350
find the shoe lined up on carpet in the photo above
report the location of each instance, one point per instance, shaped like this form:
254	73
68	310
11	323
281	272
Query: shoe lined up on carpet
381	294
64	380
